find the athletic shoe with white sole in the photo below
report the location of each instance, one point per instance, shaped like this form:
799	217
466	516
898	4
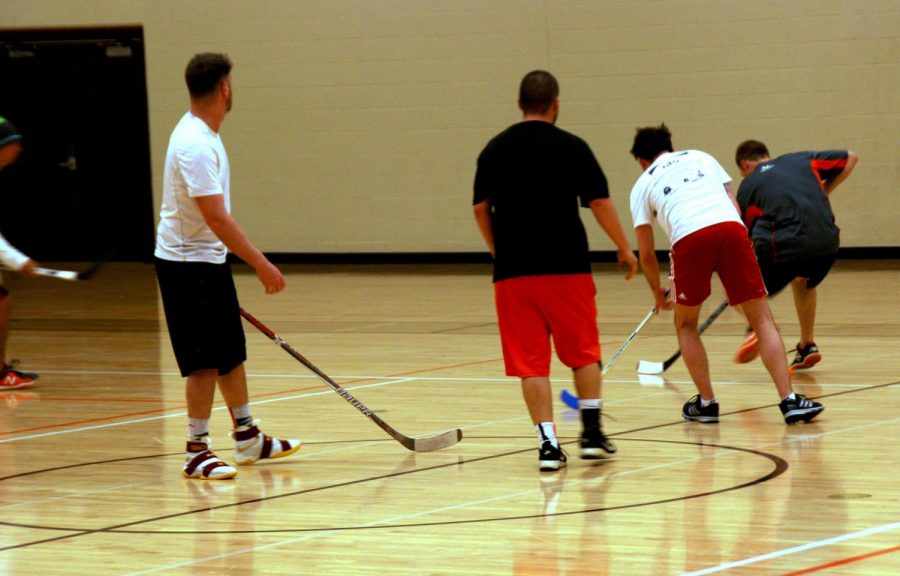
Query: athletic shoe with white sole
203	464
11	379
693	410
808	355
596	446
799	408
550	457
252	445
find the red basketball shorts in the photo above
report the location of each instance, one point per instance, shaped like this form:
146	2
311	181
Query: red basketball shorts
724	249
532	310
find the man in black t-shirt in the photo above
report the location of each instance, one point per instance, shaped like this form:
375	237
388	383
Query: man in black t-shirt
784	203
530	182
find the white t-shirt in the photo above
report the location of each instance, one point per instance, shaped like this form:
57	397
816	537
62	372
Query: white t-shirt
196	165
685	191
10	256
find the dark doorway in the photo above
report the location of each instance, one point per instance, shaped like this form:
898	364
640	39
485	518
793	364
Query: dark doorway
81	190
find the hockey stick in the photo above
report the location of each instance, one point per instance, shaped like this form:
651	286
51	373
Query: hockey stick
416	444
70	275
570	399
647	367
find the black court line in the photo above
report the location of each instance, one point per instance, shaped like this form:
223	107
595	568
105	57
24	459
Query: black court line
780	466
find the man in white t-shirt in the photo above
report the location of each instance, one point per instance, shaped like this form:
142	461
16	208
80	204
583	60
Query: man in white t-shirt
195	233
688	194
10	379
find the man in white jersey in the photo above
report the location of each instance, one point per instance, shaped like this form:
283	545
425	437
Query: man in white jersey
195	232
689	195
10	257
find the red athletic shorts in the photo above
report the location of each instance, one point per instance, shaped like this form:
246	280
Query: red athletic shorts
532	309
722	248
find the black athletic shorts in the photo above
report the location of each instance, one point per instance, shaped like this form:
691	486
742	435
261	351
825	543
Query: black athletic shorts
777	275
203	315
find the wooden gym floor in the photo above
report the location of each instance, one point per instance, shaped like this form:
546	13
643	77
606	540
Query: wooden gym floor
90	457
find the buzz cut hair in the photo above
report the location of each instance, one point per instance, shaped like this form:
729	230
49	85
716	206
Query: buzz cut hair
537	92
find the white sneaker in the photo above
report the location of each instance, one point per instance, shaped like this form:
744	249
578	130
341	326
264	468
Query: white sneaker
203	464
252	445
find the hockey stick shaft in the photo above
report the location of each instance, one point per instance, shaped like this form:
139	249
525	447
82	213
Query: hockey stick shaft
416	444
628	340
706	323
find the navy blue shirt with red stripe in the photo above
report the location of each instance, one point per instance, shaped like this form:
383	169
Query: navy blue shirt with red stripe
785	207
536	177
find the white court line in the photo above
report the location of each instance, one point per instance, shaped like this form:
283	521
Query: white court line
795	549
325	532
182	414
559	380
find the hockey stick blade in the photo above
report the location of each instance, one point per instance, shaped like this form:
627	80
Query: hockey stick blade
416	444
60	274
569	399
436	442
648	367
69	275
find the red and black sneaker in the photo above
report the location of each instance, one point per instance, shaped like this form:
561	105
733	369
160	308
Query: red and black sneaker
11	379
807	356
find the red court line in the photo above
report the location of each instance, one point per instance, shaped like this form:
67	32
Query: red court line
86	421
90	399
434	368
842	562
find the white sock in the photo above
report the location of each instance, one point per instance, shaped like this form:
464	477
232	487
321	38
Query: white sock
240	415
547	431
590	403
705	403
790	396
198	428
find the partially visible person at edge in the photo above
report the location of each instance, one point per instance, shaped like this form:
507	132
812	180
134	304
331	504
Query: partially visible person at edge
784	204
10	257
195	232
689	194
530	181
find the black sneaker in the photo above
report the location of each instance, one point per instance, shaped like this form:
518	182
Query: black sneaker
799	408
807	356
695	411
596	446
550	457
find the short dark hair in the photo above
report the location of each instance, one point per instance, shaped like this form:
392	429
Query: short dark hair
204	73
537	92
750	150
651	141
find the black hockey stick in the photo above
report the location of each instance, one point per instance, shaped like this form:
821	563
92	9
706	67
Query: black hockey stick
420	444
648	367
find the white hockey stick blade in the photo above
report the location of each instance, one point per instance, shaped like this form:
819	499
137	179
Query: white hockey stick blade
61	274
651	380
647	367
444	440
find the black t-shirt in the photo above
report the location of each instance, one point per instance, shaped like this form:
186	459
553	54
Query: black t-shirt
536	176
786	209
